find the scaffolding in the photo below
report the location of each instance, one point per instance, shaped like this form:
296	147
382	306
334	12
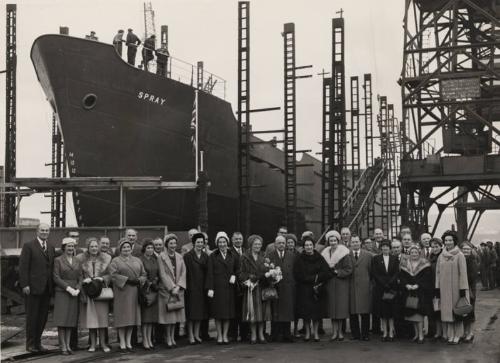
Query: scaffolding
58	170
369	156
354	130
450	95
10	117
327	206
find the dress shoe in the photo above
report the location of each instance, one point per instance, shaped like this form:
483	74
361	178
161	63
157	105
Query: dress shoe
340	339
64	352
252	342
354	337
33	350
420	341
316	340
41	348
366	339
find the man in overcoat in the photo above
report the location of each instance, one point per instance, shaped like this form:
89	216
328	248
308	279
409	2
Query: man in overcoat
360	290
283	309
36	265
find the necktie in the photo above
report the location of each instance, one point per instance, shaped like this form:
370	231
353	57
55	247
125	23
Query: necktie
356	255
224	256
44	246
281	255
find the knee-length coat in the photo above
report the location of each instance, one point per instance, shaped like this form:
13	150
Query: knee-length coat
168	280
253	270
219	271
384	281
337	288
421	275
451	277
126	308
94	314
65	305
283	309
308	271
149	314
196	296
360	286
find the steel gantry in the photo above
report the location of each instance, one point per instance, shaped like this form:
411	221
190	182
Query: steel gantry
10	114
334	134
450	95
369	159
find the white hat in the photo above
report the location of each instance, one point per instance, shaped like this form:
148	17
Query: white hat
332	234
221	234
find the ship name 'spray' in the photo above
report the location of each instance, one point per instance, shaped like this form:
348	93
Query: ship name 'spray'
151	98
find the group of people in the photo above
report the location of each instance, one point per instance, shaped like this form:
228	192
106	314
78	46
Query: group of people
401	288
132	42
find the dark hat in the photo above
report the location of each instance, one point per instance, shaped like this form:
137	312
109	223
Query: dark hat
93	288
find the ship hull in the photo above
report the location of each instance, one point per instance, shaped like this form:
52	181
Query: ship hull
139	125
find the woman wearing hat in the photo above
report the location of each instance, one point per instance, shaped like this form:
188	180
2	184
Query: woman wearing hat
337	288
196	262
311	272
172	286
451	285
416	282
94	313
435	326
222	270
252	276
67	278
385	273
149	309
127	273
291	246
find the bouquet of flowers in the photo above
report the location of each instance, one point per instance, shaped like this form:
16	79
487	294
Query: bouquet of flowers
274	275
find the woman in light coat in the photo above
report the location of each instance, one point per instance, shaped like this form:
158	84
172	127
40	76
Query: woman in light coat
337	288
128	274
94	313
451	285
172	286
67	279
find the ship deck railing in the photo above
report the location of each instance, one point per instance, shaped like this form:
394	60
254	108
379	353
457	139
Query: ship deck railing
187	73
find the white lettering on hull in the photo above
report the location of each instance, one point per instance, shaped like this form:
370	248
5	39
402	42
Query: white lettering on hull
145	96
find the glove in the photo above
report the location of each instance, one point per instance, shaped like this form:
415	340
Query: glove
437	293
232	279
462	293
210	293
87	280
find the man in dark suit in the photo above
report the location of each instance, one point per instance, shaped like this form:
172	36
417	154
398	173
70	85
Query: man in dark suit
238	327
283	309
36	265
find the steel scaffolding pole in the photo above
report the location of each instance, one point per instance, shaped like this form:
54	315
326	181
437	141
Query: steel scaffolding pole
244	127
337	138
10	117
290	127
355	158
327	207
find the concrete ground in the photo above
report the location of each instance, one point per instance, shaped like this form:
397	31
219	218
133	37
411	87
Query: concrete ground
485	349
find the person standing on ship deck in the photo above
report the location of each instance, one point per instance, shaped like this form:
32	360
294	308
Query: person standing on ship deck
132	43
117	41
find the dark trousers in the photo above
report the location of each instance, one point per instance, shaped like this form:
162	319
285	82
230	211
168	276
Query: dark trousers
131	52
280	330
365	325
161	68
492	277
485	278
37	310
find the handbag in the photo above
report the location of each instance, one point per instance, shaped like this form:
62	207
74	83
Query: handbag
436	304
411	302
388	295
106	294
463	307
175	302
269	293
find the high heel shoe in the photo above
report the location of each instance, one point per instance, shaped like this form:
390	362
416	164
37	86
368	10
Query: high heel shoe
307	339
469	339
420	341
198	340
254	341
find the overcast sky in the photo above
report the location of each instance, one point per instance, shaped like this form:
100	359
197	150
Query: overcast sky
207	30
